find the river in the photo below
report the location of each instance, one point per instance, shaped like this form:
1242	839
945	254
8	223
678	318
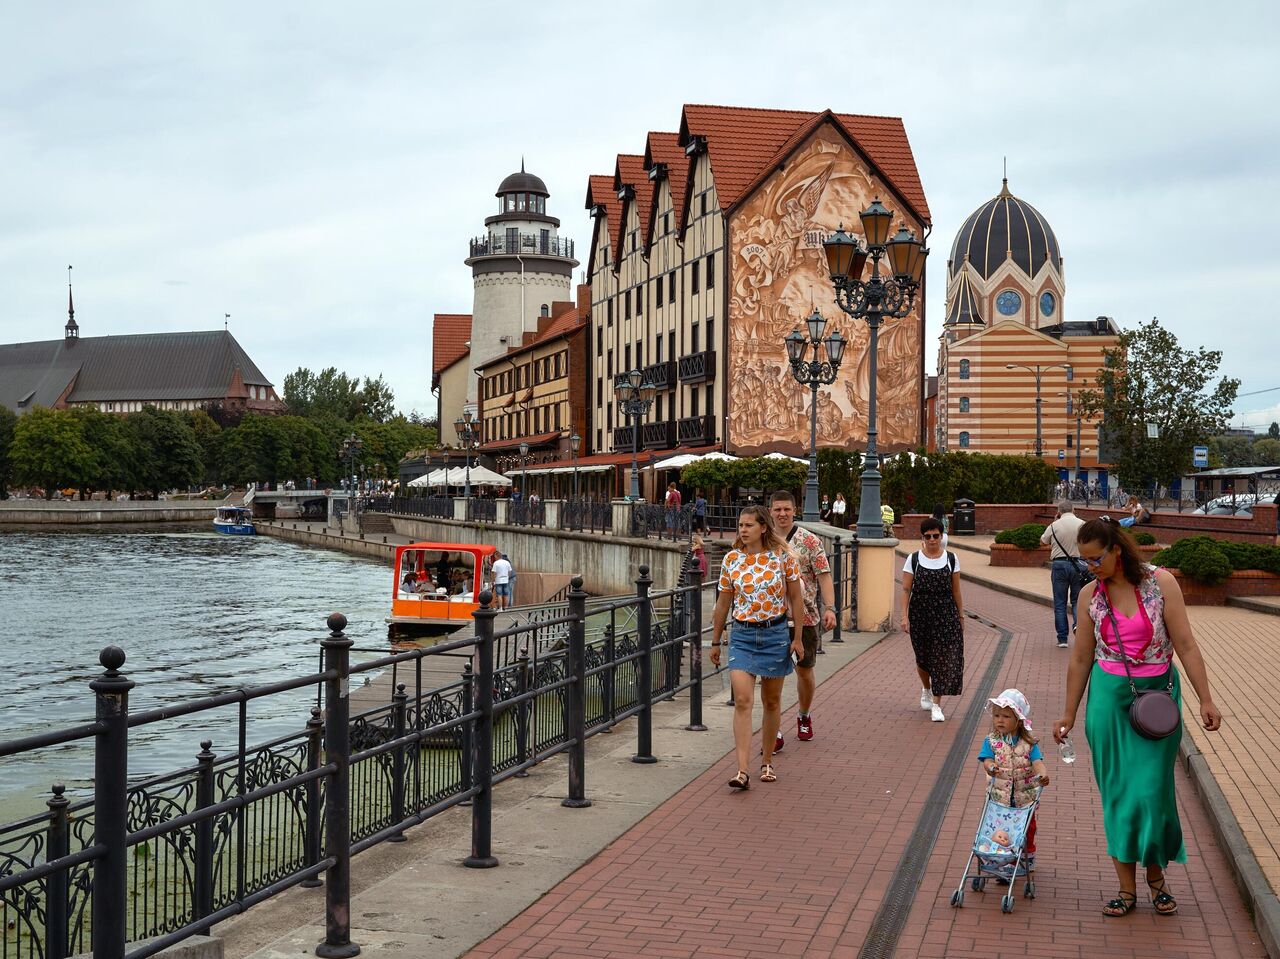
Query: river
197	613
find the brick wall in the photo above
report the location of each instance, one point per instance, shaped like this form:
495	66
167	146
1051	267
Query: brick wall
1169	527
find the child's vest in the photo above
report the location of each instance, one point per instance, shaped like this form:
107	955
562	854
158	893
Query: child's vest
1015	783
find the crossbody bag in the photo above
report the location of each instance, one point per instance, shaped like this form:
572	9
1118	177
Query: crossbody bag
1086	577
1153	714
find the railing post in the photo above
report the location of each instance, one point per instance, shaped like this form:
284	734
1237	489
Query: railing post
837	575
315	746
398	762
644	629
111	807
607	699
576	698
482	742
203	898
693	603
337	804
522	711
467	736
59	845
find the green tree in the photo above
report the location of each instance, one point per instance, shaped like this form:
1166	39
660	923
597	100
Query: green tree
206	431
49	450
169	456
335	394
271	449
1273	431
1266	452
117	456
8	420
1149	379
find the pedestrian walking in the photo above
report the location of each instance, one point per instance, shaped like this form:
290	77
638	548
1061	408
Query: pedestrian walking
699	512
1067	573
1136	621
1012	759
933	615
940	514
671	507
838	509
815	576
502	581
824	509
759	579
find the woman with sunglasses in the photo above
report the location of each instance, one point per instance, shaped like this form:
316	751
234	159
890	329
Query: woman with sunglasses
1134	611
933	615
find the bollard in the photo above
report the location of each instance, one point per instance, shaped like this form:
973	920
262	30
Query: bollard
693	603
202	899
644	627
58	837
522	711
398	761
837	574
482	742
337	801
111	807
315	733
575	725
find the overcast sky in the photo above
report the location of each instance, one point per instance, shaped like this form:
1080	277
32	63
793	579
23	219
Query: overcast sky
316	169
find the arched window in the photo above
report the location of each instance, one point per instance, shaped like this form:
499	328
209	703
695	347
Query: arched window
964	369
545	311
964	440
964	404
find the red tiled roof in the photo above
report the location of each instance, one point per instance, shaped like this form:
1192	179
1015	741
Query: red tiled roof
569	321
630	171
450	333
600	192
746	143
665	148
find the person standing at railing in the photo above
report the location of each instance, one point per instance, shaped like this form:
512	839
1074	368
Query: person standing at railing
759	579
838	509
699	513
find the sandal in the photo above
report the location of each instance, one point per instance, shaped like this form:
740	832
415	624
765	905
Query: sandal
1164	903
740	781
1121	905
766	774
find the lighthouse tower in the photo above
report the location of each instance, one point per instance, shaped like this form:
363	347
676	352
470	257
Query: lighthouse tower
519	267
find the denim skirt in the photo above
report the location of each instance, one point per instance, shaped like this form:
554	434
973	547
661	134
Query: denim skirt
761	651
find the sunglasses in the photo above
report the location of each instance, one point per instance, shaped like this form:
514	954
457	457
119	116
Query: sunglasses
933	536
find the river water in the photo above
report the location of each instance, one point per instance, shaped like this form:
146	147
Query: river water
197	613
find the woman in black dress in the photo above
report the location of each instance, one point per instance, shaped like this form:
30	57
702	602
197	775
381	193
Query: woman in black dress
933	615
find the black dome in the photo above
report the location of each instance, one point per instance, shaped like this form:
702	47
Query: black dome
1005	228
522	183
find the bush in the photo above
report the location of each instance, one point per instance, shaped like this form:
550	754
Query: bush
1237	555
1026	536
1205	563
1143	538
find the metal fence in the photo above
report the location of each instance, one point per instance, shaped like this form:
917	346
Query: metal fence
170	856
429	507
525	512
586	515
481	509
1204	502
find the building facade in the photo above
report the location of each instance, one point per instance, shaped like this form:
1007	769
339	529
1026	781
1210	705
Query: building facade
450	370
707	251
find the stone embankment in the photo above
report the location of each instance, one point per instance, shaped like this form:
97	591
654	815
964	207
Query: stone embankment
35	512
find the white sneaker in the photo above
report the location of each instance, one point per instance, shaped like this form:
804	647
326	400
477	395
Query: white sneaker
937	716
926	699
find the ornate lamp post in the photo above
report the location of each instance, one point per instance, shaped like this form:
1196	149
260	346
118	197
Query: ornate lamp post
1039	370
575	444
469	436
873	300
819	371
635	396
351	447
524	476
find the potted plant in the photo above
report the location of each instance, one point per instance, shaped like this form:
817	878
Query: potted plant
1020	546
1146	543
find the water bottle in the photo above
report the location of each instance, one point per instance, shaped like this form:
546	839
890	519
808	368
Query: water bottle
1066	751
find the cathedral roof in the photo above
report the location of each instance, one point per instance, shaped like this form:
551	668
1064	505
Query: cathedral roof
1005	228
963	308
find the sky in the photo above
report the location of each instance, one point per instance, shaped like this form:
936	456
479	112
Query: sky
316	169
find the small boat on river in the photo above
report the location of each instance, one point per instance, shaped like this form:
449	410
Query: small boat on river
436	586
234	520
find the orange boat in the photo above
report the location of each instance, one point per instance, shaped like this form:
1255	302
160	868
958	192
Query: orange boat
436	587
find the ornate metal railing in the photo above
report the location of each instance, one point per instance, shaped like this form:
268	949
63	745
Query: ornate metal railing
429	507
662	375
623	438
528	513
482	510
586	514
664	522
498	244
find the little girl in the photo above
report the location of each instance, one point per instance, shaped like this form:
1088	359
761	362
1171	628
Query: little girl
1012	758
699	555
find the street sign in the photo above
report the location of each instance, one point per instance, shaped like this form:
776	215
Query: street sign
1062	455
1200	457
1153	431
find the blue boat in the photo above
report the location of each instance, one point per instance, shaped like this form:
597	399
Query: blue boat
234	521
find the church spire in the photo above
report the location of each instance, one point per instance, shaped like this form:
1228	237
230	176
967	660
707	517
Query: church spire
71	330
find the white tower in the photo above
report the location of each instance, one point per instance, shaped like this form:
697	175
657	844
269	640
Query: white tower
519	268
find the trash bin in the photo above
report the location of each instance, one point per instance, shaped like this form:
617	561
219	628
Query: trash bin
964	519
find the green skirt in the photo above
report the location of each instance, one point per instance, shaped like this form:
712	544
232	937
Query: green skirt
1134	774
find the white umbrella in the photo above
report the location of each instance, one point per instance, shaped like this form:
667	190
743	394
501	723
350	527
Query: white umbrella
429	479
480	476
784	456
682	460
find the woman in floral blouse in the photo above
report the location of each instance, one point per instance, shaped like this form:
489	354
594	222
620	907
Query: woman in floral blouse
759	582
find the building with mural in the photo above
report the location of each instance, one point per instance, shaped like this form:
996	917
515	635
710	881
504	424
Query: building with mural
707	250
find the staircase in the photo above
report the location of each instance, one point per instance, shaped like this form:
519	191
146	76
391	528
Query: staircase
378	523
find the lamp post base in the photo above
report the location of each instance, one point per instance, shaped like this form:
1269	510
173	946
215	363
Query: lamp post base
870	524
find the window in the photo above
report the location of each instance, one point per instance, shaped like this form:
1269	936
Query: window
671	287
599	392
610	311
711	333
639	299
609	366
694	276
544	241
599	438
626	366
626	299
557	426
964	404
599	343
711	271
671	344
608	418
711	399
657	291
693	402
666	223
964	440
657	348
544	311
703	200
639	354
693	339
657	409
964	369
1070	441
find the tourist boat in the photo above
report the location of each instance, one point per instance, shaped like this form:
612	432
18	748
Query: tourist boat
436	586
234	520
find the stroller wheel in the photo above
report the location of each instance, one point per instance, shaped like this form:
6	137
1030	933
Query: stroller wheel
957	898
979	884
1006	903
1030	890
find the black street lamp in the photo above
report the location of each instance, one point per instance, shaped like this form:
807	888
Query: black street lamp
819	371
524	476
351	447
1039	370
1073	410
575	444
873	300
635	396
469	436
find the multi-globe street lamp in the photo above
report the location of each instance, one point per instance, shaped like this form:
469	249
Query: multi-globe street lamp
1039	369
351	447
873	300
819	371
575	444
635	396
524	476
469	436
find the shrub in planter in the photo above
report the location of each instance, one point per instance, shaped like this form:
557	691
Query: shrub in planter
1143	538
1026	536
1238	555
1198	557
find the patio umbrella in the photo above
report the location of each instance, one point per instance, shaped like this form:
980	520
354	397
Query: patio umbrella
784	456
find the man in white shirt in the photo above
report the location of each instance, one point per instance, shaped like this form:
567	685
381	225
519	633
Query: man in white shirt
1067	571
502	581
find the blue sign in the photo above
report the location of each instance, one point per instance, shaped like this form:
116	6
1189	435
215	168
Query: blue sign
1200	457
1062	455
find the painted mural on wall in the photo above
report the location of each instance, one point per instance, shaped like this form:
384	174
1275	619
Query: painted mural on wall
780	275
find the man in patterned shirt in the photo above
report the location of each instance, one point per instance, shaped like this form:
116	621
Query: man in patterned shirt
815	574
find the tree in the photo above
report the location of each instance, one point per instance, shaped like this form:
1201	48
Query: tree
1149	379
8	420
338	395
49	450
1266	452
170	455
1273	431
206	431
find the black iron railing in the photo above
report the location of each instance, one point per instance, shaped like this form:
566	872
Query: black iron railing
528	513
1232	502
662	375
697	430
429	507
664	522
586	515
481	509
499	244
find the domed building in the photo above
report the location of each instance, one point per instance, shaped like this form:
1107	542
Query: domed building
1010	363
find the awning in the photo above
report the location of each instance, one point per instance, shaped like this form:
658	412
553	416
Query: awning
541	439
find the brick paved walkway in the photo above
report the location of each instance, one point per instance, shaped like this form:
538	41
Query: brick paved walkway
799	867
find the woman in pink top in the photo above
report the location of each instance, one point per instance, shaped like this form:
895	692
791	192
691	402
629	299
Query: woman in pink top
1135	611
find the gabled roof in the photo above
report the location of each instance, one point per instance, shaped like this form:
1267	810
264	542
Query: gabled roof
630	172
450	334
601	192
665	148
746	143
566	319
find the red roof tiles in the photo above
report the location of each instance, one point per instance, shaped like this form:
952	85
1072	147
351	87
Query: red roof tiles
601	192
450	333
630	171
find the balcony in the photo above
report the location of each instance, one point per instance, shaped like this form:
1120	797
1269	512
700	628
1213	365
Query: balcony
661	375
658	436
698	367
622	438
696	431
523	244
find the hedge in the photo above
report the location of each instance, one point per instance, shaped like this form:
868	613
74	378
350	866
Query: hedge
1143	538
1204	559
1026	536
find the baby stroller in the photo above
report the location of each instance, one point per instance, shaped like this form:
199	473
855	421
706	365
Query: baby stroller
998	847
